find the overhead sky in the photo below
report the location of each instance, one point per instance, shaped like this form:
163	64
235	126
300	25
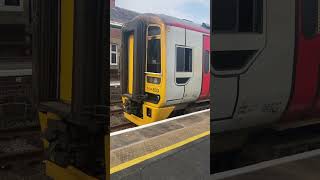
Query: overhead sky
197	11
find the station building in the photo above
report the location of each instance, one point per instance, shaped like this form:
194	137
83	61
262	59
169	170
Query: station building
118	16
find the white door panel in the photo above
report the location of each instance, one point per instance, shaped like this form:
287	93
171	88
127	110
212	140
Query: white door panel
193	87
175	36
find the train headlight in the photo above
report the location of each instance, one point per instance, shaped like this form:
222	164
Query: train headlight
153	80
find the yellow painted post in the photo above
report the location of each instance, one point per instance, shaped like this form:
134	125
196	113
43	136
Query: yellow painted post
130	63
66	50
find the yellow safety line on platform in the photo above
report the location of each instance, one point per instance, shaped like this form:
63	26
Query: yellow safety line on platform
156	153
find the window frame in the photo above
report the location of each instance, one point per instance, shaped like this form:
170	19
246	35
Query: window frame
147	43
236	28
114	52
206	70
176	58
8	8
310	22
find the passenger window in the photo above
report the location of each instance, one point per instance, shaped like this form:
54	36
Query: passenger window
154	56
206	63
184	59
310	17
241	16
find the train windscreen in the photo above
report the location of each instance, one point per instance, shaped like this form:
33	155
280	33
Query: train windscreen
154	56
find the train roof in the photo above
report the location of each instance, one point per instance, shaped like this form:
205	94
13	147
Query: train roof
172	21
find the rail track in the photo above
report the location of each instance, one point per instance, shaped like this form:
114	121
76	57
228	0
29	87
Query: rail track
122	126
20	141
20	146
117	121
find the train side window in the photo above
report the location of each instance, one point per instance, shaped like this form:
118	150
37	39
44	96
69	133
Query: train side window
206	61
184	59
237	16
310	17
222	21
154	56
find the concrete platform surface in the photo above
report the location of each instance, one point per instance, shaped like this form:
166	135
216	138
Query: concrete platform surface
169	149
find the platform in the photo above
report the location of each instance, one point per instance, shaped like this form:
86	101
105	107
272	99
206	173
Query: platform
15	69
304	166
176	148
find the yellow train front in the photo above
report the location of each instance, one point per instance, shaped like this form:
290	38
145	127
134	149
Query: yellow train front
164	67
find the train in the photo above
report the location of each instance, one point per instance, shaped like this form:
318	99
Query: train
165	67
264	71
15	60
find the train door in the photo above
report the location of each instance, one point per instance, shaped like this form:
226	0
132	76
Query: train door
130	63
189	65
184	67
238	41
175	43
205	86
132	66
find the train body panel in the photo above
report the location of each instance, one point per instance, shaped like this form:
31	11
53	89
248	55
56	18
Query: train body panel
305	92
183	83
193	87
175	36
277	77
205	88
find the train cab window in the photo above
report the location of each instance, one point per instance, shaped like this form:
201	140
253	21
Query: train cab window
237	16
206	61
310	17
184	59
154	56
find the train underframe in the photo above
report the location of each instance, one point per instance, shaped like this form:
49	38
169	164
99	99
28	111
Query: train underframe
145	113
